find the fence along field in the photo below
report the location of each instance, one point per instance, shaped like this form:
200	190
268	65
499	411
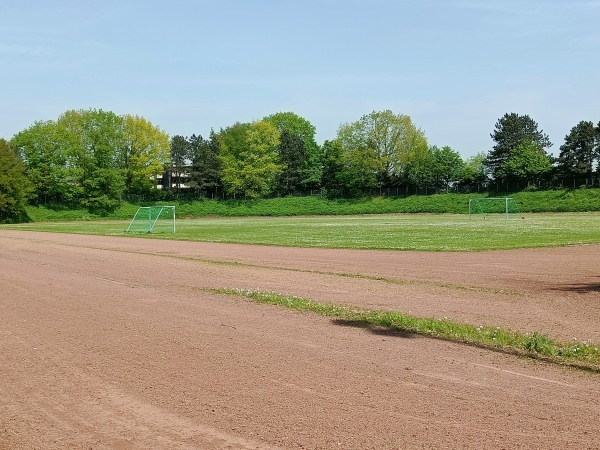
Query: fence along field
417	232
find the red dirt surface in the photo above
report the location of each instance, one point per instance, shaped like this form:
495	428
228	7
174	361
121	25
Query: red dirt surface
112	343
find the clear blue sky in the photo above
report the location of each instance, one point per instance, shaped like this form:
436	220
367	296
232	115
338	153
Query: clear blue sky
454	66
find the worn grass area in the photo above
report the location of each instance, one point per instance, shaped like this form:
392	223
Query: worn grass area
583	355
419	232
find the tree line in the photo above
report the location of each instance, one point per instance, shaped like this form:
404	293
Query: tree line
95	158
380	151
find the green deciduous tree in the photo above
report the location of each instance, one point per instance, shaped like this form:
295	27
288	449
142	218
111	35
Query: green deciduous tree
249	161
93	139
146	151
510	131
448	166
378	148
526	162
420	168
48	164
309	168
474	170
579	152
15	188
91	157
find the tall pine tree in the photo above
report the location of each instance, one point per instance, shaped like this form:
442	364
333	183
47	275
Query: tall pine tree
292	154
510	132
205	175
579	152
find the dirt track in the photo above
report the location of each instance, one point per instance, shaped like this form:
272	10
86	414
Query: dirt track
111	343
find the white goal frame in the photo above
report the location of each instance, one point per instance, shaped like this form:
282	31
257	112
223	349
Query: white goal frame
152	218
510	206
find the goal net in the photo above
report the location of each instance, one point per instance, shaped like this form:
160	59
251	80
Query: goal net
504	207
149	219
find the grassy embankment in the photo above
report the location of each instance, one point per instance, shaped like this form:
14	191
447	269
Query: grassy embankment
578	200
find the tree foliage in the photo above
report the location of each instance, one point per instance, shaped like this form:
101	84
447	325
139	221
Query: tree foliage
580	150
309	166
91	157
147	153
47	163
292	156
474	169
94	157
512	130
249	160
332	165
378	149
447	165
205	173
180	148
420	168
526	162
598	140
15	188
94	139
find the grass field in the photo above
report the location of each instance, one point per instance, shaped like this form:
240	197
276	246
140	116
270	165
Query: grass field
419	232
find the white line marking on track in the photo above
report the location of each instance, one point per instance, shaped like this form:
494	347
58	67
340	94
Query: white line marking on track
526	376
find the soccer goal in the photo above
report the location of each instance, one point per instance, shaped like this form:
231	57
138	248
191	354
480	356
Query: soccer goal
150	219
494	207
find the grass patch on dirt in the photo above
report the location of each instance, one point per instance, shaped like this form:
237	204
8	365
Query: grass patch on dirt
417	232
582	355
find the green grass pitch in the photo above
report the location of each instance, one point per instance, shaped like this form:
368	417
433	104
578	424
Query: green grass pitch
418	232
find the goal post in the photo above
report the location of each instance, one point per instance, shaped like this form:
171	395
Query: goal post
494	206
148	219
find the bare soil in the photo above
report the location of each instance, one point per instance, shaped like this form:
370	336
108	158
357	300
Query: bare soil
114	343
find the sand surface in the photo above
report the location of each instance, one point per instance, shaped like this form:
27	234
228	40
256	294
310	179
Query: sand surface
114	343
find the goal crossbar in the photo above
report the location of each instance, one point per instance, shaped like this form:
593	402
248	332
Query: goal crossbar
147	216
